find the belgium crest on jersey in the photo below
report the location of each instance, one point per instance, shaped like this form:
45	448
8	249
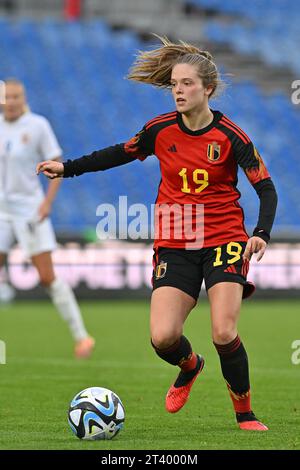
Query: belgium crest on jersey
213	151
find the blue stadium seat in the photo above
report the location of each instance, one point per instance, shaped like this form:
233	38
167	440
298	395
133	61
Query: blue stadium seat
272	29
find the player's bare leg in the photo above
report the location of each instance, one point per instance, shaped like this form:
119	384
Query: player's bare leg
225	302
7	292
169	309
2	259
65	302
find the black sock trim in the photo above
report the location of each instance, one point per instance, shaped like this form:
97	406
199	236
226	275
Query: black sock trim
242	417
228	348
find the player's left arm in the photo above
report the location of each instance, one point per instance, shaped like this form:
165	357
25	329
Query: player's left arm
249	159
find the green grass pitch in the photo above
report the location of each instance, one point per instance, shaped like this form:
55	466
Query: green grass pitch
41	377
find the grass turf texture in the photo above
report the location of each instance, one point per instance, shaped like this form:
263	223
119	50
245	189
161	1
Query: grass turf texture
41	377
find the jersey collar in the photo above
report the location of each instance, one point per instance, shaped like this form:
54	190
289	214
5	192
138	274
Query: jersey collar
217	117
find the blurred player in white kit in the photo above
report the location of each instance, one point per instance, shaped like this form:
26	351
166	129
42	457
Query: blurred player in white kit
25	139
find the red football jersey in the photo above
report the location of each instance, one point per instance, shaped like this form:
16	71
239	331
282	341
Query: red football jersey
197	202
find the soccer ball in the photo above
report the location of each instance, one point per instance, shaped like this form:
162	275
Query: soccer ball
96	413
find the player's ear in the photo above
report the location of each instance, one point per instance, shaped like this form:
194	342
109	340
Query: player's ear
208	90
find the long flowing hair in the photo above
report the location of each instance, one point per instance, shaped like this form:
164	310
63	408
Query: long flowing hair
155	66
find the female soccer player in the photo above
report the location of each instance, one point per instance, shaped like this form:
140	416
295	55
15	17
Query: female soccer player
25	139
199	152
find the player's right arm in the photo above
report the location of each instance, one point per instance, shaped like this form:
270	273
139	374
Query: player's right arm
139	146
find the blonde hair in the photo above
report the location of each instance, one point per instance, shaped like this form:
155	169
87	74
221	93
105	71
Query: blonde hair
155	66
16	81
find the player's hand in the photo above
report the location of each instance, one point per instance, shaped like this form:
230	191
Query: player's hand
50	168
255	245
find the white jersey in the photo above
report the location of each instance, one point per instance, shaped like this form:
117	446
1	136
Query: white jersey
23	143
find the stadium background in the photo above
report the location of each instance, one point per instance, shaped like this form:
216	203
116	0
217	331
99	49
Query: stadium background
72	57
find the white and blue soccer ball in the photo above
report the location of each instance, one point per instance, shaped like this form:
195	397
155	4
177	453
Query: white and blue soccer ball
96	413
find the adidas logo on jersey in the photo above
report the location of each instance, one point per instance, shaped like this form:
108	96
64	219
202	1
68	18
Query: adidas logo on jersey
230	269
172	148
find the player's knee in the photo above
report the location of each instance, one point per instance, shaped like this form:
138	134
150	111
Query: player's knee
164	339
223	334
46	281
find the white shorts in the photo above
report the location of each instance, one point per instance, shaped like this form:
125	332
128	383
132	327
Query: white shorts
34	238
